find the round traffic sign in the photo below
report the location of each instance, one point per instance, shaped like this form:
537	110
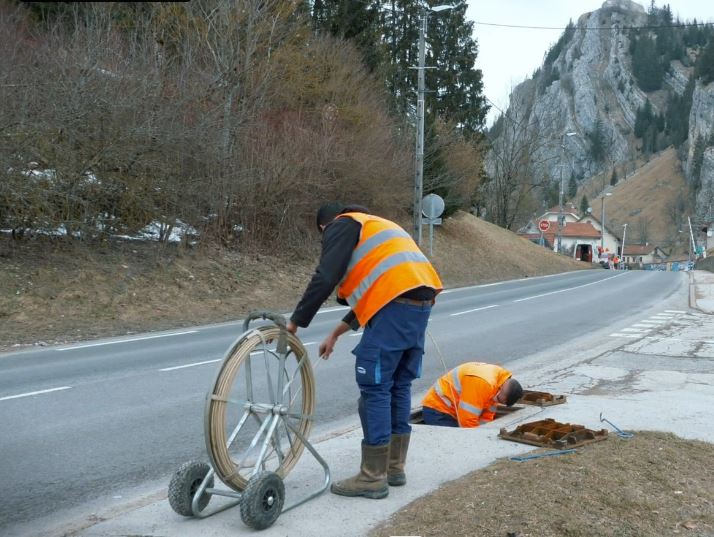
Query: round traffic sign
432	206
544	225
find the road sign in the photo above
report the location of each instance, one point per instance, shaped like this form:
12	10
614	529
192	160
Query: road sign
432	206
544	225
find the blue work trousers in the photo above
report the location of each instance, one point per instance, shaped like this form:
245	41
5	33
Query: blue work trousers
388	359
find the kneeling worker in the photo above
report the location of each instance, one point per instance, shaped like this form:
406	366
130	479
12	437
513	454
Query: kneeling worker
467	395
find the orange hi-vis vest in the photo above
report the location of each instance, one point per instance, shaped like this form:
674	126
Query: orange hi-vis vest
385	263
467	392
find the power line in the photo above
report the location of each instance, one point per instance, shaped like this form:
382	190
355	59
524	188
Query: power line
586	28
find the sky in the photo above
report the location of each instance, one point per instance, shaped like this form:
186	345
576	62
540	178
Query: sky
508	55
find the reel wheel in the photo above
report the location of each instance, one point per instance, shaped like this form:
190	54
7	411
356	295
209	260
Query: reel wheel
184	485
262	501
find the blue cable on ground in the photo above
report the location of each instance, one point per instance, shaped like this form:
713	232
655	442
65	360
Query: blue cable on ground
541	455
622	434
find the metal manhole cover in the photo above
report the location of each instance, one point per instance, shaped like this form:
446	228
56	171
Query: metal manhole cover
552	434
531	397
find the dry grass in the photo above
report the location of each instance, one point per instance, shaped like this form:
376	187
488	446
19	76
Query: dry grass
644	199
650	486
57	293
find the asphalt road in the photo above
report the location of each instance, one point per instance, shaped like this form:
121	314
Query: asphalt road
97	419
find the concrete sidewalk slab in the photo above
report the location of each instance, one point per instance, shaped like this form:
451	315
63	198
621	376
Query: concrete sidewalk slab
702	286
660	381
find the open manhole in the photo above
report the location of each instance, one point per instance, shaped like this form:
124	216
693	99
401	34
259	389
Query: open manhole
416	418
552	434
531	397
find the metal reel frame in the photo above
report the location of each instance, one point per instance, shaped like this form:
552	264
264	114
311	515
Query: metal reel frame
270	416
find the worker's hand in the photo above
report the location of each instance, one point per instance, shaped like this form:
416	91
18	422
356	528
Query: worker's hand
292	327
327	346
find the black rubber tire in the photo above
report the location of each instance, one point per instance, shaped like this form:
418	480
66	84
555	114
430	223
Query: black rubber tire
184	484
262	500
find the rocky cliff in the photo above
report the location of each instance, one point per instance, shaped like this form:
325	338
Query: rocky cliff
579	111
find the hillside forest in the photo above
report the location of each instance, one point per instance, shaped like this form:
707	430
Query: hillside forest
231	119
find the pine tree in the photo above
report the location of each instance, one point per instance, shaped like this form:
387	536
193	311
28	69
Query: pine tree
613	177
456	86
355	20
597	141
646	64
584	204
572	187
705	64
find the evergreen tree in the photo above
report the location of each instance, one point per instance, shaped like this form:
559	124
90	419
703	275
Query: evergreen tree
677	115
646	64
572	187
455	86
705	64
697	161
584	204
551	194
613	177
644	118
355	20
597	141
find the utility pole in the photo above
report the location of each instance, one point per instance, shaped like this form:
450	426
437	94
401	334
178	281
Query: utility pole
622	254
693	247
419	173
602	222
560	200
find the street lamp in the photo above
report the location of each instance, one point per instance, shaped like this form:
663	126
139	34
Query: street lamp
602	222
624	234
419	172
560	197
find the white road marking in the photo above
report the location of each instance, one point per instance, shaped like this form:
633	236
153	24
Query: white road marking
125	340
190	365
569	288
330	310
476	309
174	368
643	325
623	335
29	394
638	330
674	311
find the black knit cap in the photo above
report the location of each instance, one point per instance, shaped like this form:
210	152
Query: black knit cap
327	213
515	391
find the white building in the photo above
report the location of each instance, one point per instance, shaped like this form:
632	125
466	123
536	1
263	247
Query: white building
609	241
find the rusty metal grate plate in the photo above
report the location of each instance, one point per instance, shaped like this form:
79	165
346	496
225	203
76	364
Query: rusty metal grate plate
531	397
552	434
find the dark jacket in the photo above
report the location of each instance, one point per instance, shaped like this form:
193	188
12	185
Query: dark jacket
339	240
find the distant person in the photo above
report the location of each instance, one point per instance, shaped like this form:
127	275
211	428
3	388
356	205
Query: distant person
390	287
467	395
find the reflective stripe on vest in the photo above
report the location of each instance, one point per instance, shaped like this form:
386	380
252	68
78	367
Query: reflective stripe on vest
447	390
385	263
441	395
470	408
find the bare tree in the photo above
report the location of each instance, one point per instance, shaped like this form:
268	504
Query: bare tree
642	229
517	155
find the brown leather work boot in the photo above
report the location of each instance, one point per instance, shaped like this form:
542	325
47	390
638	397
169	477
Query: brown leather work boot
398	448
371	481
